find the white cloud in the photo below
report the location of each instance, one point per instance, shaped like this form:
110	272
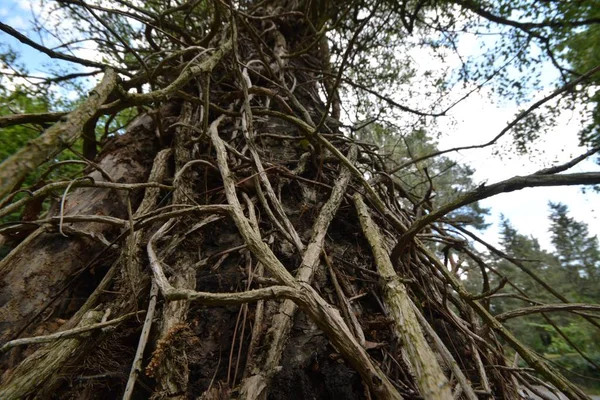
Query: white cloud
72	95
89	52
17	22
29	5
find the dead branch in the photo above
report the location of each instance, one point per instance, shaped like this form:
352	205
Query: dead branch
56	138
432	382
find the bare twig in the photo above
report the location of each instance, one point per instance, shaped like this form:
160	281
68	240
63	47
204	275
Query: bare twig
64	334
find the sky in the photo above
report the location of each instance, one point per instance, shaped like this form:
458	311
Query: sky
478	119
17	15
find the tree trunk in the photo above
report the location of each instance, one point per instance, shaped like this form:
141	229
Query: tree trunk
269	281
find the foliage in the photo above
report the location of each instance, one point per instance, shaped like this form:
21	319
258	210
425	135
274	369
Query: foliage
13	138
434	181
578	252
581	49
571	269
17	101
19	95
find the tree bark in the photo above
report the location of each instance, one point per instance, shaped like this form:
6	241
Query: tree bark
48	268
248	195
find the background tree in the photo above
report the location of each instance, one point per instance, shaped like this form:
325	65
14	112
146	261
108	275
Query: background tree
562	337
237	238
577	251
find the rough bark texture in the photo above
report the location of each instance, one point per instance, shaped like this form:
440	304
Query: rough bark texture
248	218
42	270
429	375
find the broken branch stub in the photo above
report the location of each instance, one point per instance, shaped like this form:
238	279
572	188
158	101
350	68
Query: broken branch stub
56	138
